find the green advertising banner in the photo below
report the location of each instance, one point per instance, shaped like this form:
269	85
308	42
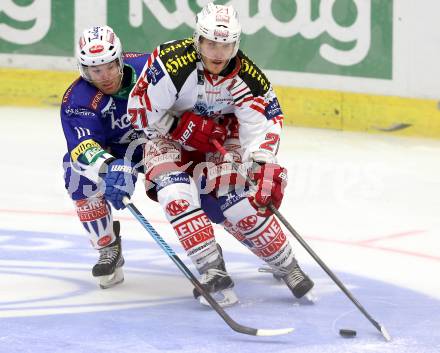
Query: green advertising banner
341	37
39	27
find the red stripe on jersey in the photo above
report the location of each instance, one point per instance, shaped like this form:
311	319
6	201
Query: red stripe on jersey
147	101
278	119
261	101
236	93
244	101
257	108
229	76
152	56
258	104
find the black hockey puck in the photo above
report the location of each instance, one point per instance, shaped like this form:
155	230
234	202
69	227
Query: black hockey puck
347	333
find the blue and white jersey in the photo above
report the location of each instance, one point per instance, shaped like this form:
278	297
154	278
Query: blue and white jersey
96	125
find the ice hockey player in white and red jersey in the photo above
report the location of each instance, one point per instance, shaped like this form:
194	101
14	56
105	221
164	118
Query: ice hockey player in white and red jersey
103	153
190	92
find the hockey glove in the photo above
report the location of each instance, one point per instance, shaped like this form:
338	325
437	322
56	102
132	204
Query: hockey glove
270	180
197	131
119	182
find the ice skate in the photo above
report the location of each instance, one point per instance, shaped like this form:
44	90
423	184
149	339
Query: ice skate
108	269
296	280
219	284
276	274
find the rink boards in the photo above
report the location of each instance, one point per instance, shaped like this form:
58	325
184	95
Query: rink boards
301	106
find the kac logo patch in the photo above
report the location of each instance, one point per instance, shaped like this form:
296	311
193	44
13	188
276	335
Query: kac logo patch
176	207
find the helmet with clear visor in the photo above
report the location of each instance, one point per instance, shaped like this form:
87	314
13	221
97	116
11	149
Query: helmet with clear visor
99	45
220	24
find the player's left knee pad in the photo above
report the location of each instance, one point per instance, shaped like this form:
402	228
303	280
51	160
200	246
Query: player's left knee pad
96	216
264	236
177	194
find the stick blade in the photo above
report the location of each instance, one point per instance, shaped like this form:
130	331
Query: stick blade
274	332
385	333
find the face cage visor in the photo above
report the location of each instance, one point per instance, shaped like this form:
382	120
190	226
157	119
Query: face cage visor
216	51
102	73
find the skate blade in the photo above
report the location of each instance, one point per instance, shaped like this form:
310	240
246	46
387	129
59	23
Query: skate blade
224	298
308	299
111	280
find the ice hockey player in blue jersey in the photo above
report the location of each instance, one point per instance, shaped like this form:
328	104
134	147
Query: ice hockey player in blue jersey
103	151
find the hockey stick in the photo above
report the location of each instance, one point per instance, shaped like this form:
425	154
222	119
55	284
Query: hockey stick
188	274
321	263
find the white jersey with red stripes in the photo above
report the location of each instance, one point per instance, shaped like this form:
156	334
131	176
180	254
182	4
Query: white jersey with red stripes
174	81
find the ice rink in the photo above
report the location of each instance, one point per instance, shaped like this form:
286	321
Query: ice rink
369	205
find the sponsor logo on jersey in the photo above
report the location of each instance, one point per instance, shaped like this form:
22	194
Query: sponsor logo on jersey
170	157
118	120
83	112
96	100
176	207
155	73
194	231
121	122
69	90
166	180
129	136
220	103
247	223
250	69
270	240
231	199
179	45
160	147
177	55
273	109
82	147
201	108
130	55
90	155
91	210
177	62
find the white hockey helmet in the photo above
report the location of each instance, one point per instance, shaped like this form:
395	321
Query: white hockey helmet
98	45
218	23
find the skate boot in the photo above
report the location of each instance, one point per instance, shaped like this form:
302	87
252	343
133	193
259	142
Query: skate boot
219	284
277	274
108	269
298	282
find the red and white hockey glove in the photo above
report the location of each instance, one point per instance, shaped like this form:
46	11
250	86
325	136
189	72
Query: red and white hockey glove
270	180
197	131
